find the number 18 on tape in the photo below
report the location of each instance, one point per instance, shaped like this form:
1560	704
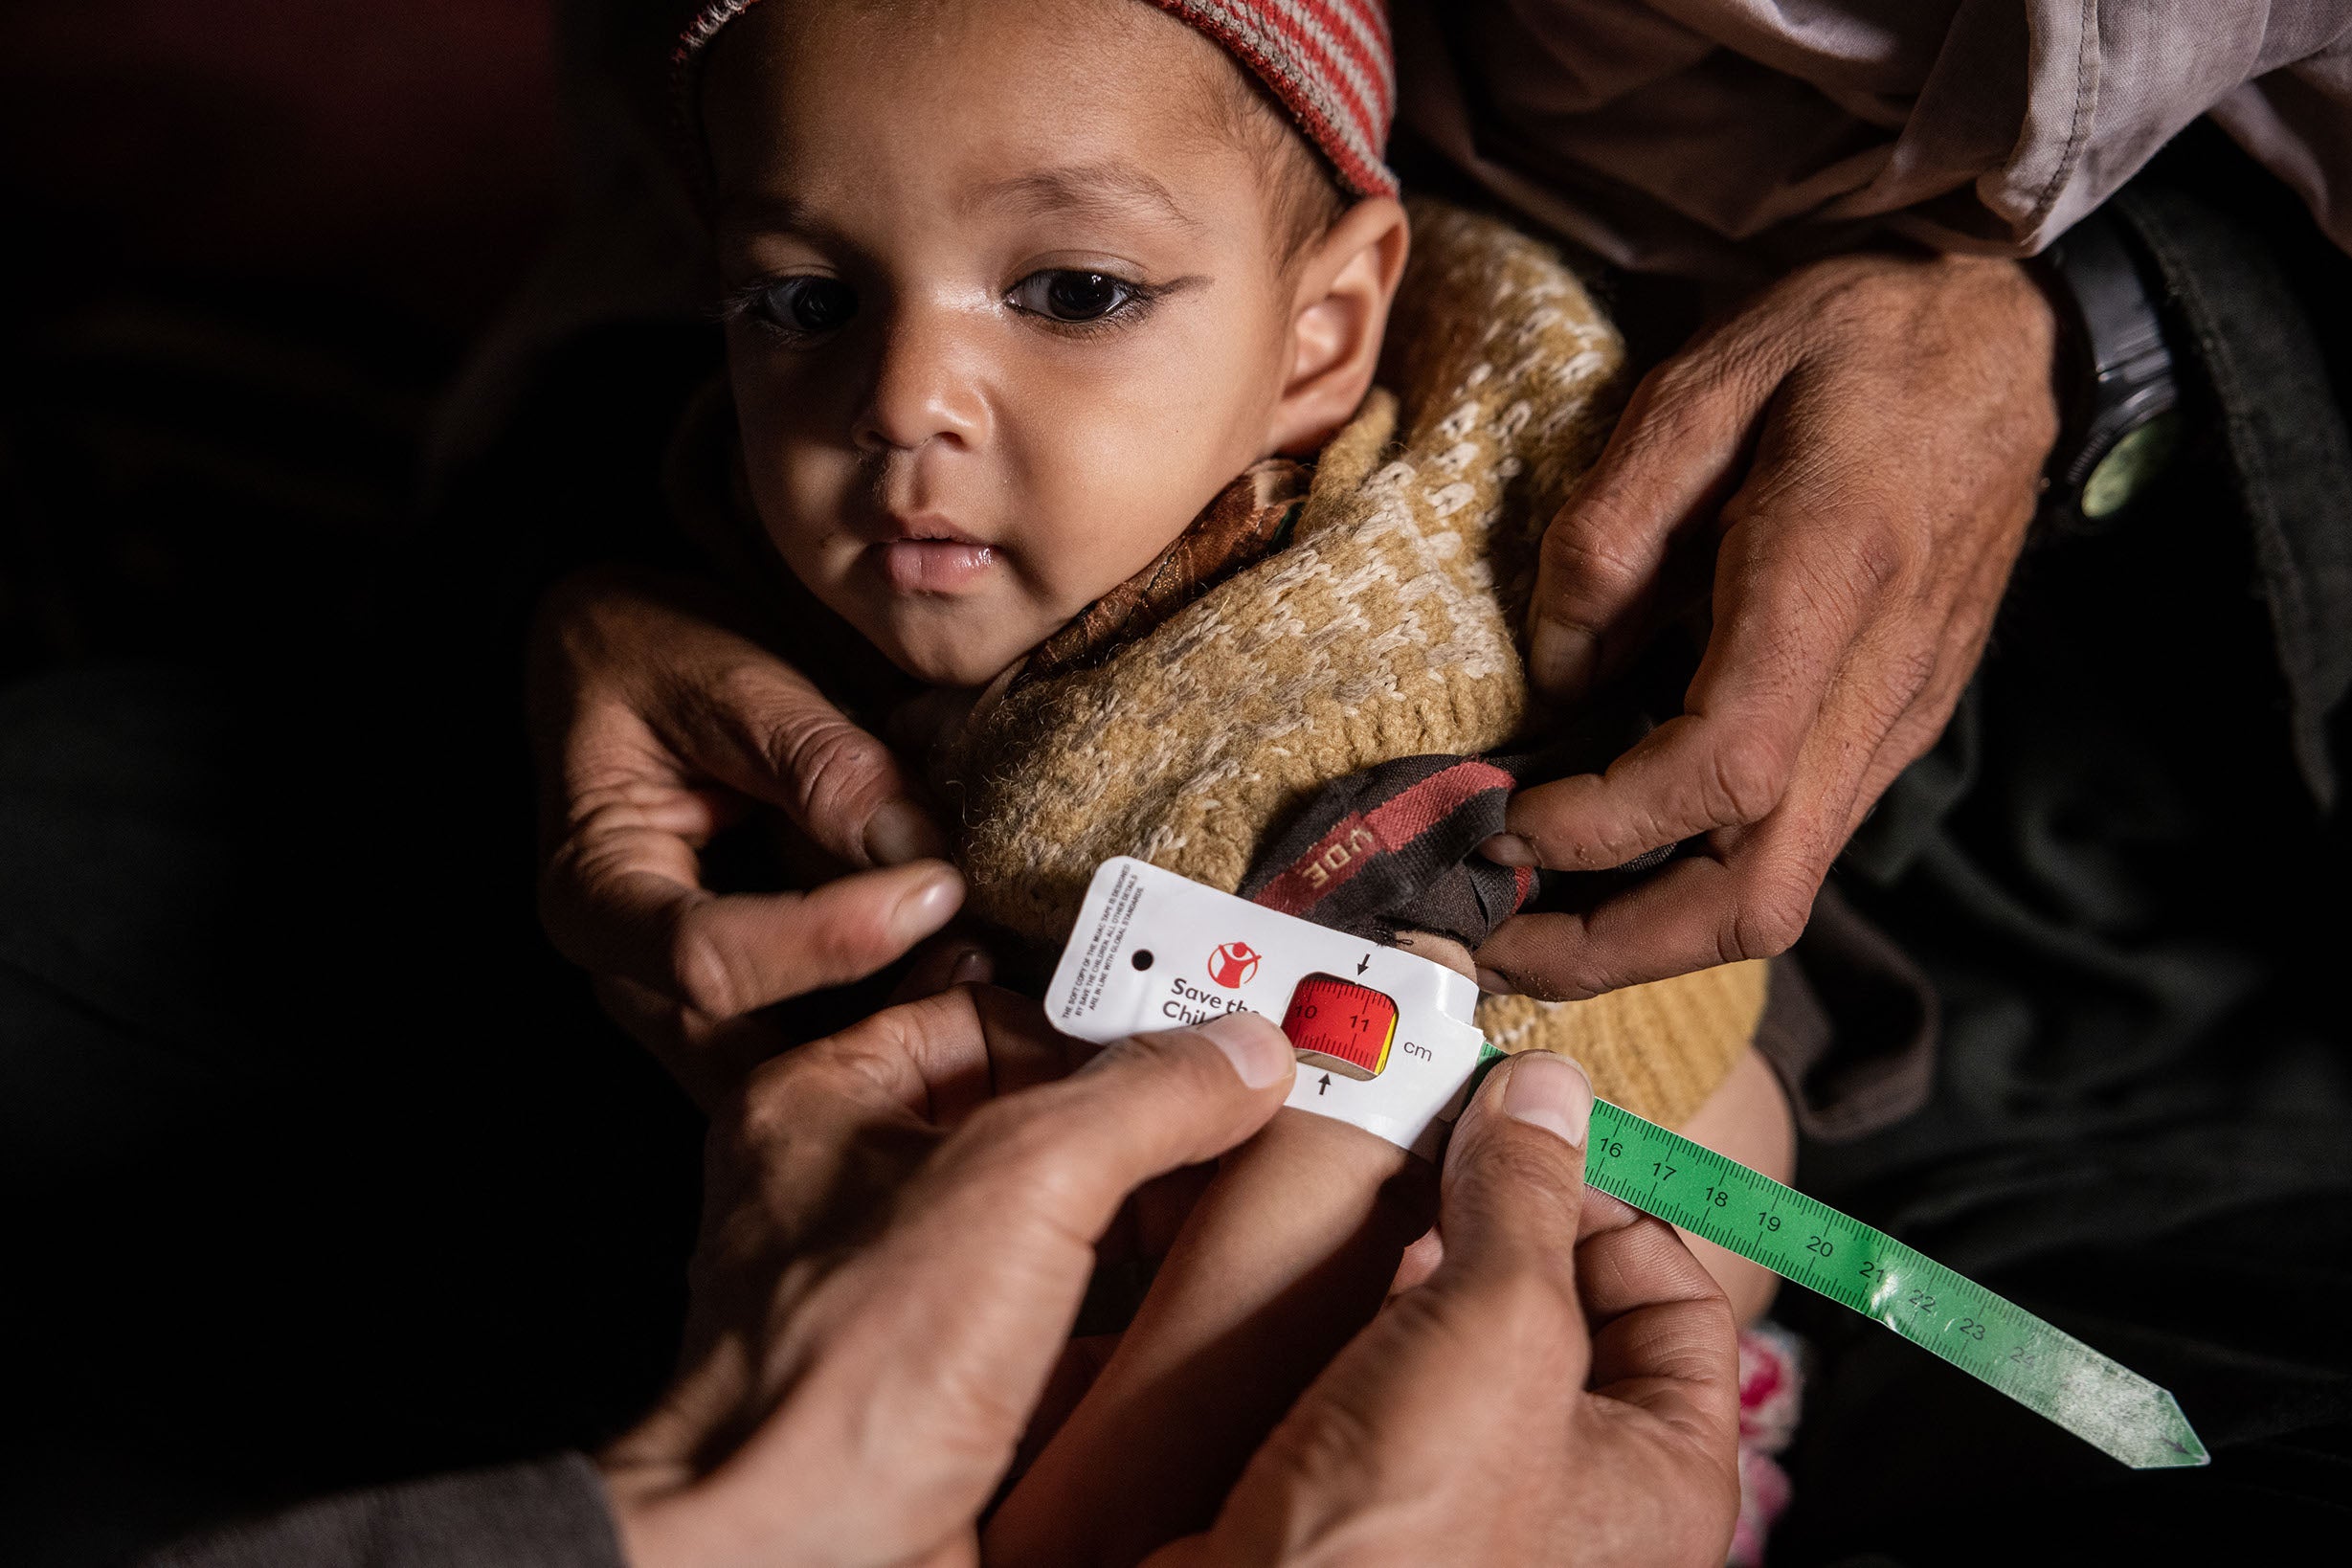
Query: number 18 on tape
1386	1040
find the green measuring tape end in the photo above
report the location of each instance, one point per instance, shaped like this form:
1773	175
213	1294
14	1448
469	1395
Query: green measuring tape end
1993	1340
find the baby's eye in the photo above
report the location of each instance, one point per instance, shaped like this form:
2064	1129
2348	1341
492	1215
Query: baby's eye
1068	295
807	305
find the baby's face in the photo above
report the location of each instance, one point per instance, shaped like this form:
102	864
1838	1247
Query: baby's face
1007	310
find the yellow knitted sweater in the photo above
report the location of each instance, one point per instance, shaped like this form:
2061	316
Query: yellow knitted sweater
1386	629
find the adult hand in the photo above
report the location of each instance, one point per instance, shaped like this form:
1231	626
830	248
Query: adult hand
656	725
900	1223
1565	1383
1862	444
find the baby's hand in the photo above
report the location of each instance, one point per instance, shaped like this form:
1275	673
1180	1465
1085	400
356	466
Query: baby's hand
1439	950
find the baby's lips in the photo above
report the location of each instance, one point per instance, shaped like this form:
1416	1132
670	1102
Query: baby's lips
934	566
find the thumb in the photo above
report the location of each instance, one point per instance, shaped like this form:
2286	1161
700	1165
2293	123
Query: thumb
1656	1331
1513	1193
726	957
962	1307
758	725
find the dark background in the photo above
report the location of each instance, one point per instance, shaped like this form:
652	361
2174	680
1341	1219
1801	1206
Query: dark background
319	1169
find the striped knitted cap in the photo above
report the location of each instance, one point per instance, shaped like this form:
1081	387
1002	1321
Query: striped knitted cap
1330	62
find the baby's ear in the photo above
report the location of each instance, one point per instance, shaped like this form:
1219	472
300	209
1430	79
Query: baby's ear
1346	282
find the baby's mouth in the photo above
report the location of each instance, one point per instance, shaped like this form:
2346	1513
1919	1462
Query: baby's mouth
929	559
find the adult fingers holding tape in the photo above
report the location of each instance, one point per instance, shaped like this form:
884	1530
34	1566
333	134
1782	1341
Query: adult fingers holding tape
1279	1264
895	1247
1567	1380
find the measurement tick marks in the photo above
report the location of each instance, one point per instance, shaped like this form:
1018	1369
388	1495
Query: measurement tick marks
2051	1373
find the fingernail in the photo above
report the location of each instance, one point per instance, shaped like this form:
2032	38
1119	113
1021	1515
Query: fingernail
1258	1051
1511	849
1559	659
1493	982
1550	1093
898	830
973	967
926	907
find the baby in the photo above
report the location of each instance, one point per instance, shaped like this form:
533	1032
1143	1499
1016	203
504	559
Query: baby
1017	289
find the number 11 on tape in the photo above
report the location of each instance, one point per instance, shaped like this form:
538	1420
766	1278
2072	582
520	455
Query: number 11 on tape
1386	1040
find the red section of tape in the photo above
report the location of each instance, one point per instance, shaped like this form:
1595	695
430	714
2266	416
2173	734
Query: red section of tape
1348	1026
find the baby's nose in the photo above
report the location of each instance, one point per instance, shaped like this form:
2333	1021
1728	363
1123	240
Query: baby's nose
923	390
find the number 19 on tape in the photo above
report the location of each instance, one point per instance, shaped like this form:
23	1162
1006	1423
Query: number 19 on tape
1386	1040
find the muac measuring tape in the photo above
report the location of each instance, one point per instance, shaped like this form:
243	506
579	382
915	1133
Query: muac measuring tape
1385	1041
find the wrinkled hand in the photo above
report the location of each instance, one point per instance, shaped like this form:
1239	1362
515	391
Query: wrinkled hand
899	1225
902	1220
1564	1386
1862	446
655	726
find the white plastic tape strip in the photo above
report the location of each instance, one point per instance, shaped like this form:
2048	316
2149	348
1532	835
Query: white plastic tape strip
1385	1039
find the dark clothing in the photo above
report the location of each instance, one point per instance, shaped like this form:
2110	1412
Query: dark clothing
2122	873
549	1514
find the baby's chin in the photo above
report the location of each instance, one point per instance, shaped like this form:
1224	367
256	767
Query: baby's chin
956	650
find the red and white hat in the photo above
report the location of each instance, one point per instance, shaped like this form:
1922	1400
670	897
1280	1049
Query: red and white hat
1330	62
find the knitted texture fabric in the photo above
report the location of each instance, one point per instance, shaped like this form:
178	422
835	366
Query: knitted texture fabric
1329	63
1386	629
1771	1401
1250	519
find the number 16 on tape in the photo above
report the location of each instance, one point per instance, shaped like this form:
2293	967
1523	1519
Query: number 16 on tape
1386	1040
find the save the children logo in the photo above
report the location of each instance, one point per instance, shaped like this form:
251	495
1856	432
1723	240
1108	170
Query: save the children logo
1232	964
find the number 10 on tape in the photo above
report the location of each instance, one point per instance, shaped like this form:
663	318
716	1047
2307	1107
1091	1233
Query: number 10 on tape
1385	1041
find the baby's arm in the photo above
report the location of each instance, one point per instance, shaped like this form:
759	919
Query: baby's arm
1289	1251
1287	1254
1747	1118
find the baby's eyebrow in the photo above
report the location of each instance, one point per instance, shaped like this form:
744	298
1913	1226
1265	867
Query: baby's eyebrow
761	212
747	218
1103	190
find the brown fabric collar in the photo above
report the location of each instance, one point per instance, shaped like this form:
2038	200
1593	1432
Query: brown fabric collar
1250	519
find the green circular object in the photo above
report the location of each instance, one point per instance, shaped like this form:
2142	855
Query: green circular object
2130	464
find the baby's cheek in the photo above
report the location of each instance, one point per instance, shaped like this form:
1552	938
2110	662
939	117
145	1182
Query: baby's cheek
1113	468
1102	533
799	501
